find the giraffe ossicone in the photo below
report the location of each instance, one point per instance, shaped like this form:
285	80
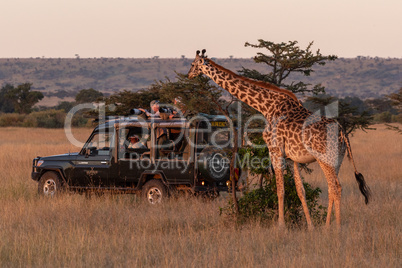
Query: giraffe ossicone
299	135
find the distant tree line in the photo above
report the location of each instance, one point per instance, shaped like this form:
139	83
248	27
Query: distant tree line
18	102
17	108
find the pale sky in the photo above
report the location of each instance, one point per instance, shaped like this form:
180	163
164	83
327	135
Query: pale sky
171	28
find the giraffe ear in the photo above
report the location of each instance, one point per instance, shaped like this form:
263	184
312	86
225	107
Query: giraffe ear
203	52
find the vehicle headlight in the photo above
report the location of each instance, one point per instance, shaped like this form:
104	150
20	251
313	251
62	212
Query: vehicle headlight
40	162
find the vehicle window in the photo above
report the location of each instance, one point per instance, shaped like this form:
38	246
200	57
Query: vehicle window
134	143
100	143
220	137
171	143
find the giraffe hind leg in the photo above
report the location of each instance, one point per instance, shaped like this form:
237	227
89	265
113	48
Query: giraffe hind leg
334	192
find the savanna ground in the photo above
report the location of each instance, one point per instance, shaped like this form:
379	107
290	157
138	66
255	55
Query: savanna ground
76	231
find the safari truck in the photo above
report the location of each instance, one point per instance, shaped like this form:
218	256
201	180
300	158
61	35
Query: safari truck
176	155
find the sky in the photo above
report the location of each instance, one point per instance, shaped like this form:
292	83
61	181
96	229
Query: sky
172	28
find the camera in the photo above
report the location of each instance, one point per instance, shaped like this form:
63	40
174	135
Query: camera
165	110
136	112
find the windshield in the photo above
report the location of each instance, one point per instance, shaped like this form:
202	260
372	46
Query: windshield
100	143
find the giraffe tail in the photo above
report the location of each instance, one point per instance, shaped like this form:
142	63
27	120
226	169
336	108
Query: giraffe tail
363	187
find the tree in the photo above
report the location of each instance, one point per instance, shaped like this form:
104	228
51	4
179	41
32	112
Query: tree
65	106
5	105
88	95
285	59
120	103
350	117
196	95
396	100
22	98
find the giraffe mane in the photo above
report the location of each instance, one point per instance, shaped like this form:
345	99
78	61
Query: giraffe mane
262	84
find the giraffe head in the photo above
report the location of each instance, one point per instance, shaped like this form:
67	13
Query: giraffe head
198	62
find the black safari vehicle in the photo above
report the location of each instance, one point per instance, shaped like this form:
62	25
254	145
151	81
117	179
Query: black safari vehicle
167	156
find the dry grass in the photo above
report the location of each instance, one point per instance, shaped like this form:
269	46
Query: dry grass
120	231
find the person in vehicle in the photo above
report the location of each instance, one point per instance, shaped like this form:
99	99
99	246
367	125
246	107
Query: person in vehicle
135	143
154	109
179	110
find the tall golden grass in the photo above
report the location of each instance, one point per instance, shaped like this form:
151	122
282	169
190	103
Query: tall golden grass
120	231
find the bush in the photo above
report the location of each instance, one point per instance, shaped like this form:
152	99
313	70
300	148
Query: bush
262	204
46	119
384	117
396	118
11	120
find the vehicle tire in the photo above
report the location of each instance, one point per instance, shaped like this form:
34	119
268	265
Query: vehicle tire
50	184
154	192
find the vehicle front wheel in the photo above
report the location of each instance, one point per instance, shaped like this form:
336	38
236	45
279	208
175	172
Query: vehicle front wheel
154	192
50	184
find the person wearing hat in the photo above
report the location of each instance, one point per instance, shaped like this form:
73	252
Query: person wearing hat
135	143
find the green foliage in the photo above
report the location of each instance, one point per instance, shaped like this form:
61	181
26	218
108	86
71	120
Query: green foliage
285	59
6	105
22	98
347	115
261	204
47	119
260	153
396	100
125	100
88	95
197	95
380	105
65	106
44	119
397	118
363	77
11	120
384	117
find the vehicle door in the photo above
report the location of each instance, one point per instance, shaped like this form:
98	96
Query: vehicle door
133	160
92	165
172	154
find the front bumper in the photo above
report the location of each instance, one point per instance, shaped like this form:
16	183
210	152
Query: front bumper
35	174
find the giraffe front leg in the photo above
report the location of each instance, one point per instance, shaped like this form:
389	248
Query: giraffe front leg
330	205
278	163
302	195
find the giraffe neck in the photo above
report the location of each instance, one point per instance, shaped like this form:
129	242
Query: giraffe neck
263	97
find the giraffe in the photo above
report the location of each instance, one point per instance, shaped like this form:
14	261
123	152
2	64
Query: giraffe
291	132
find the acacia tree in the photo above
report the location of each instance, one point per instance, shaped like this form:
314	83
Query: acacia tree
88	95
22	98
285	59
396	101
